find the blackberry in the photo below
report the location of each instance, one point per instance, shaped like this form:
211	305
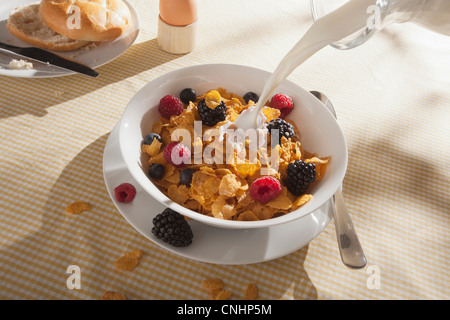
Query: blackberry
285	129
172	228
250	96
211	117
299	177
187	95
156	171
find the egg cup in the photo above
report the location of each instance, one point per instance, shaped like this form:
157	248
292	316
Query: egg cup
177	39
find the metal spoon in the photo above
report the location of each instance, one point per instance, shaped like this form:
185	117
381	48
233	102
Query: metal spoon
352	254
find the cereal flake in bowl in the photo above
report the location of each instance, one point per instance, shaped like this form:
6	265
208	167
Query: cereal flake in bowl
188	156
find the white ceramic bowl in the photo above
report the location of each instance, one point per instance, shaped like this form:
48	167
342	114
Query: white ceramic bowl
320	133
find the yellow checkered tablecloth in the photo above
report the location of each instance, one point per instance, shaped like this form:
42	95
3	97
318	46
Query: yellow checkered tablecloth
392	97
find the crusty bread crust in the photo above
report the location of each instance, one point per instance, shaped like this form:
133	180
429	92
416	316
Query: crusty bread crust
99	20
26	24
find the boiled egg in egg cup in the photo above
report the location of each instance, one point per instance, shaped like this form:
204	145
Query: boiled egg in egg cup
178	25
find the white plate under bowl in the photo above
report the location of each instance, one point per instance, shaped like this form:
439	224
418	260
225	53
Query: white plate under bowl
211	244
95	57
319	132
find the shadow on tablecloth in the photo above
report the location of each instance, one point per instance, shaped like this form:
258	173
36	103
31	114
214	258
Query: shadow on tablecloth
36	265
33	96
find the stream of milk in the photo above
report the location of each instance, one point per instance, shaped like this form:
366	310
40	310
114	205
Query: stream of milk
346	20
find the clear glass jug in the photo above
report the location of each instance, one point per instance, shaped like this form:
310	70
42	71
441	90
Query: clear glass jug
431	14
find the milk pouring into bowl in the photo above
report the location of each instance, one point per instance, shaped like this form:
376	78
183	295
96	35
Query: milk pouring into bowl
431	14
347	26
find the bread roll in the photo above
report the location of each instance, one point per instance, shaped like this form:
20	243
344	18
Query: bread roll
88	20
26	23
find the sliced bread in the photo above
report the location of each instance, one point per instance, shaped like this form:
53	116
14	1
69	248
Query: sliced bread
26	23
99	20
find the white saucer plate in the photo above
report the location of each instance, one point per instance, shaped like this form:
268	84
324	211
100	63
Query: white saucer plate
211	244
94	57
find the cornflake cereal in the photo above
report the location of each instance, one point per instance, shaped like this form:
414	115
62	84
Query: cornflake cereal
223	295
251	292
78	207
221	180
212	284
112	295
215	289
129	261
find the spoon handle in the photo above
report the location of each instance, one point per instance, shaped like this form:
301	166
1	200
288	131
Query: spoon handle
352	254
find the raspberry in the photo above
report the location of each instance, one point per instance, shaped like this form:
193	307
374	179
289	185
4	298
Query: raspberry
283	103
170	106
125	192
299	177
265	189
172	228
177	154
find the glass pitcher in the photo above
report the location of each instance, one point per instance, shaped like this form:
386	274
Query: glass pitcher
431	14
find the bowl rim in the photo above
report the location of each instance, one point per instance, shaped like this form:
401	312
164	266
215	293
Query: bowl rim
154	191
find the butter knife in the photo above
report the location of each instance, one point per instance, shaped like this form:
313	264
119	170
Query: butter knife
50	58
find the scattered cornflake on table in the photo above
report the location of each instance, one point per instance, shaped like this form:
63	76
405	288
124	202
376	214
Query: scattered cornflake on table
214	286
213	293
223	295
78	207
112	295
251	292
129	261
212	283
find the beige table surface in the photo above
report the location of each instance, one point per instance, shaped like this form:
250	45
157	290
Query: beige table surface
392	96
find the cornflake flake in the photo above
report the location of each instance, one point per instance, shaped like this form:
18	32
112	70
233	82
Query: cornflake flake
129	261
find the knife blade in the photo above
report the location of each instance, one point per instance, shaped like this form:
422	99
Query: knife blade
50	58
